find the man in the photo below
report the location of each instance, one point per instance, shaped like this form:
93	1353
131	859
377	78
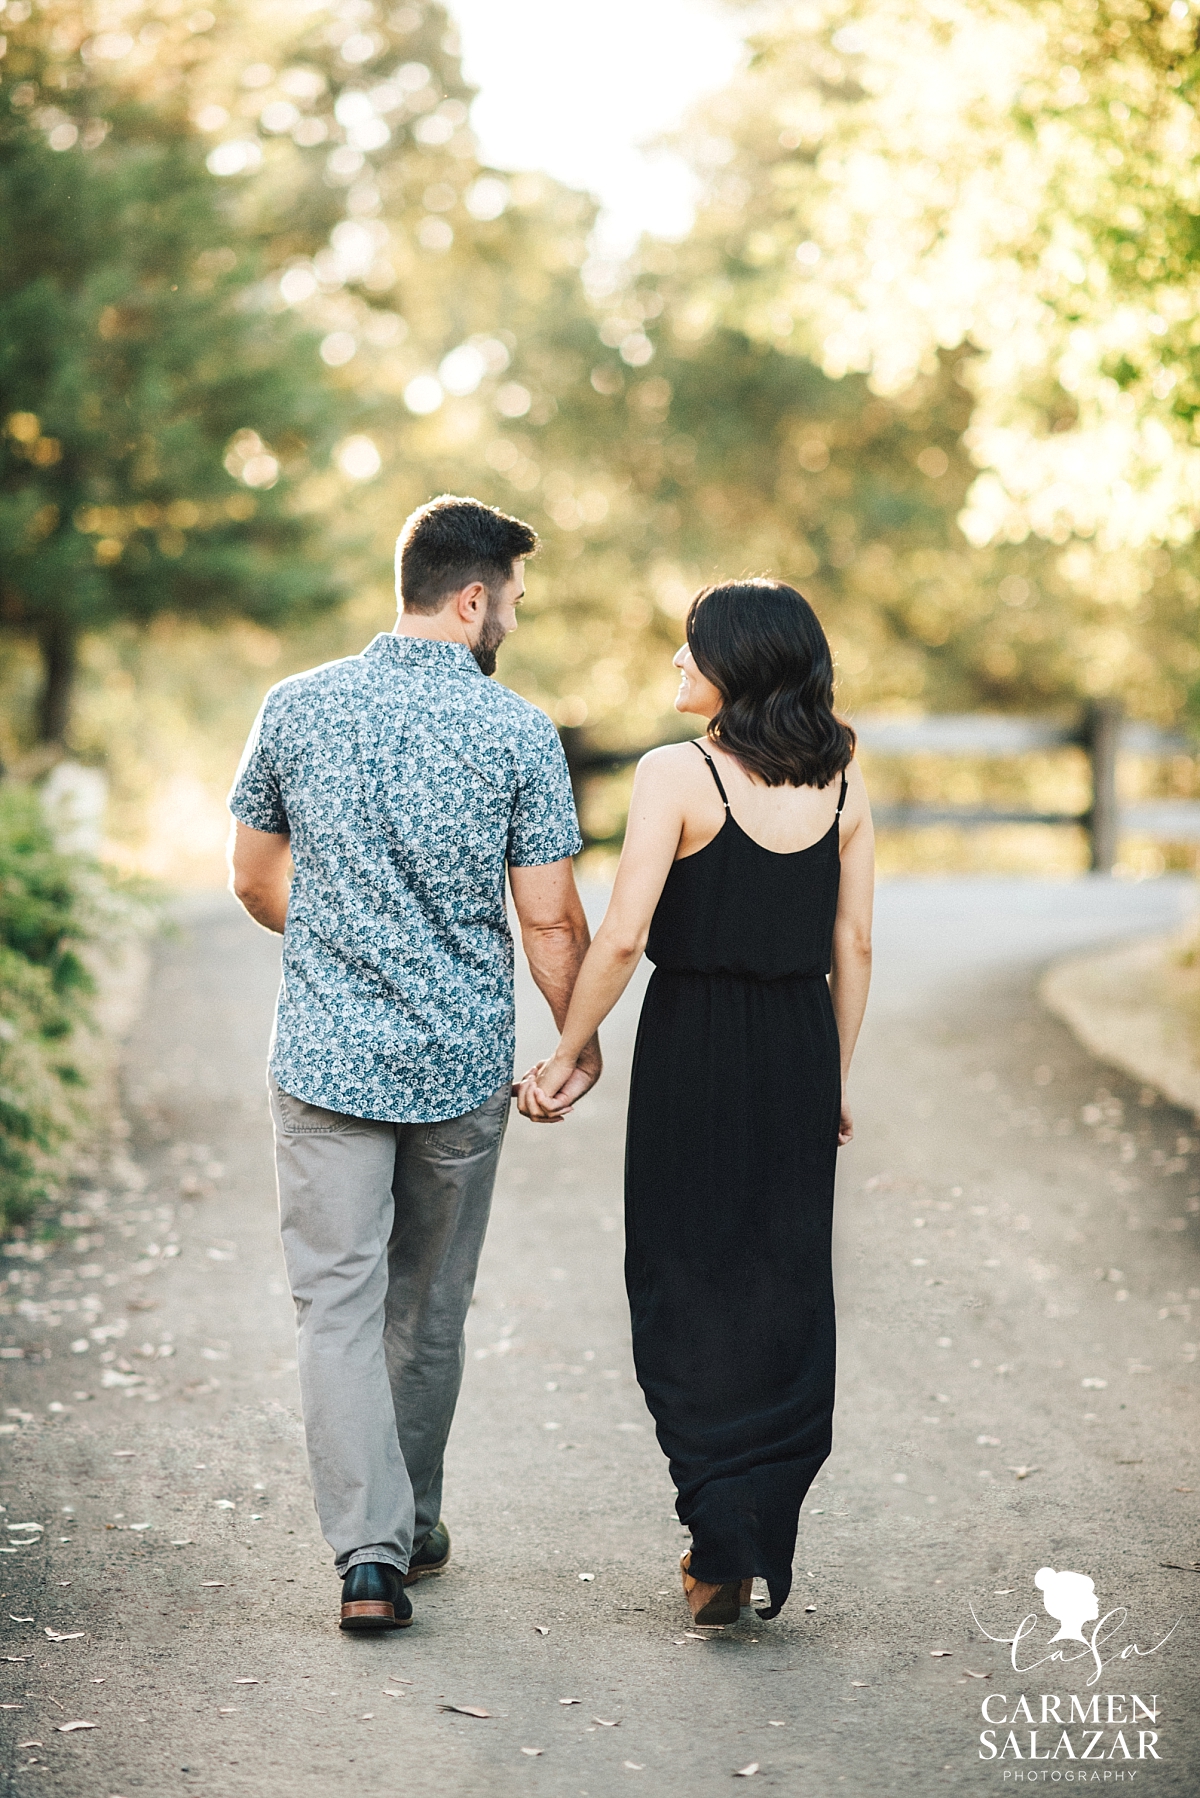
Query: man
400	783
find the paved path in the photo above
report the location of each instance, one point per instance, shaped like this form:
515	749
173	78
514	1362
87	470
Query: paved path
1016	1257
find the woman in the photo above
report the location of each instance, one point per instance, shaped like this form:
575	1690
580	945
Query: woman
746	876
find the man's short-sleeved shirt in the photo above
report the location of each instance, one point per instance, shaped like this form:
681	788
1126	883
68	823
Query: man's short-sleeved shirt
406	780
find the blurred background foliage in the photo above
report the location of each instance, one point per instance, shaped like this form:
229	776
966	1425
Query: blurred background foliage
929	351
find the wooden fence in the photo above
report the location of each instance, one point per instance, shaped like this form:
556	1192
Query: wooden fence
1101	732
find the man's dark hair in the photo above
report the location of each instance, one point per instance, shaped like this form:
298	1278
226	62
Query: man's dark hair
451	542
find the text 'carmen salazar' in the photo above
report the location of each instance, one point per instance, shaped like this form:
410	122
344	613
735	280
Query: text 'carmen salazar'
1101	1727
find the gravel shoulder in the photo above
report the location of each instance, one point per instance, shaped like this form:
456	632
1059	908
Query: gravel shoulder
1137	1008
1018	1284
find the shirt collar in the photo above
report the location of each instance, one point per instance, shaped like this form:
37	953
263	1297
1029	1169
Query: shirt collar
424	651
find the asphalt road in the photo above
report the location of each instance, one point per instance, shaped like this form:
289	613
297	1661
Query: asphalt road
1017	1277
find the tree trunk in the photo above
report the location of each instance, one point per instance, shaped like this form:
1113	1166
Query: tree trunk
58	642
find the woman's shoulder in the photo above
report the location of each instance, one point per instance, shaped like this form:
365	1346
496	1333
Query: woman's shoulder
672	761
857	808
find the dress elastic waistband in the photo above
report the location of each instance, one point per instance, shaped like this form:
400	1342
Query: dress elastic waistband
746	979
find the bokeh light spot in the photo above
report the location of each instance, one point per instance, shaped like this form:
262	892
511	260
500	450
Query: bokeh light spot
423	395
358	458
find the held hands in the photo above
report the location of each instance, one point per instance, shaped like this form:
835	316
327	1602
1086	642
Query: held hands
547	1093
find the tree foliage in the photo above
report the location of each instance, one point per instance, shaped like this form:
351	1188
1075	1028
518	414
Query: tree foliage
157	418
1007	189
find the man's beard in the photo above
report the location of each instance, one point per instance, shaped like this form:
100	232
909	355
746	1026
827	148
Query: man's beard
491	635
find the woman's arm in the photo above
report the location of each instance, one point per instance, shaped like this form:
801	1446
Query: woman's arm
651	840
851	976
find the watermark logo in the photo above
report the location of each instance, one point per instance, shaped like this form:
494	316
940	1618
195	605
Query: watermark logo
1071	1727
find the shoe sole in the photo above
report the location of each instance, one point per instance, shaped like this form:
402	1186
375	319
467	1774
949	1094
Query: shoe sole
416	1573
371	1614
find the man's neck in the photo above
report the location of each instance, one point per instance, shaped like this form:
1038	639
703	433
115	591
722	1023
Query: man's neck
436	627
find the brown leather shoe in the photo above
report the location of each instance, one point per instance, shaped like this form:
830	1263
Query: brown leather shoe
373	1597
709	1604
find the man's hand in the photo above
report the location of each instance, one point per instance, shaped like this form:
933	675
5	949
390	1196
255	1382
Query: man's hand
547	1093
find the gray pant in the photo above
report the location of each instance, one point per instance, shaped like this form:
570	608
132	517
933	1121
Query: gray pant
382	1227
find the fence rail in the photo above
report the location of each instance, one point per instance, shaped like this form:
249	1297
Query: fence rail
1101	732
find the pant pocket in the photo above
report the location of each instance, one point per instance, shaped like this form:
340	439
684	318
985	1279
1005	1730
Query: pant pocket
475	1133
299	1118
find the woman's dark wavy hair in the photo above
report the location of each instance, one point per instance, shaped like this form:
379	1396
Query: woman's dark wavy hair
759	642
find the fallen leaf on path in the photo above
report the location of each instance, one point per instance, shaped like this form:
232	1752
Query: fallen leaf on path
971	1675
467	1710
12	1707
122	1454
225	1504
64	1729
227	1710
17	1619
746	1772
864	1683
246	1682
19	1659
1023	1473
587	1576
523	1751
776	1723
810	1607
940	1654
31	1744
72	1636
607	1722
570	1701
212	1584
542	1630
1182	1566
369	1716
1004	1592
635	1766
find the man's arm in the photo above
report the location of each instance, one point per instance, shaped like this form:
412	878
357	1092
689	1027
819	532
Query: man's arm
260	866
555	937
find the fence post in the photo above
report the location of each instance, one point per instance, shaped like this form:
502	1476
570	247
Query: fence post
1103	737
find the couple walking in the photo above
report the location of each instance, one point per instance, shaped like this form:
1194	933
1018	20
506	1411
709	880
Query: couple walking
378	805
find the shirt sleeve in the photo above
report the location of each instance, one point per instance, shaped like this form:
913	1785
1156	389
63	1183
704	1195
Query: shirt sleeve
544	827
255	797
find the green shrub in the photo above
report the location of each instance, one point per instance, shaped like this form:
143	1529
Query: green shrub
51	905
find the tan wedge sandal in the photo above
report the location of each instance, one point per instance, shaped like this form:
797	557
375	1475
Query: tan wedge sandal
724	1603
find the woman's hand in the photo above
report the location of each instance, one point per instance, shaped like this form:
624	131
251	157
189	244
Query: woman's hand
548	1092
845	1125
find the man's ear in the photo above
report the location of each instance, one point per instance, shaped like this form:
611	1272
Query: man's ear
471	601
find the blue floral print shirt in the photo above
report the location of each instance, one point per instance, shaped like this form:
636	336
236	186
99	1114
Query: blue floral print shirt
406	780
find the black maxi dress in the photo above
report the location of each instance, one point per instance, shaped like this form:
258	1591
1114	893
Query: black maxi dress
730	1159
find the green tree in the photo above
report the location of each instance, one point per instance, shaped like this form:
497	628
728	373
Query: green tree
156	416
1007	188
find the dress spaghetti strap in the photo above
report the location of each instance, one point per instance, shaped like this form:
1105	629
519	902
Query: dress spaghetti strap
841	796
712	768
